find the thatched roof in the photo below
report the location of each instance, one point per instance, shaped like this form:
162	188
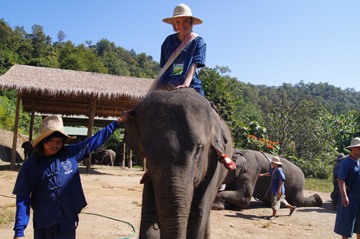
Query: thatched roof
70	92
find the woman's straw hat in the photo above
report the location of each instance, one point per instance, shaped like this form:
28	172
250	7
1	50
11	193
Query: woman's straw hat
182	10
276	160
51	124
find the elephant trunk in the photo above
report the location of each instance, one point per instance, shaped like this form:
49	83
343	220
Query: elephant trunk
173	202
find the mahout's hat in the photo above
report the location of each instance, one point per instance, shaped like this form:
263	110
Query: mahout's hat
276	160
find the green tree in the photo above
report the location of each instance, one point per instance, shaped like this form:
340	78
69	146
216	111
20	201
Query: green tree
285	115
221	91
38	41
61	36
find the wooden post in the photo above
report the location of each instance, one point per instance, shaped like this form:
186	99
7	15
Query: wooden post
123	160
32	120
130	159
13	150
90	126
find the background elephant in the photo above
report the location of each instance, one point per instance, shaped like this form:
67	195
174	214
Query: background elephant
28	149
178	132
103	155
243	183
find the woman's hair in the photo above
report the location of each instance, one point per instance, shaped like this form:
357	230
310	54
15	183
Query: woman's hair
39	148
173	24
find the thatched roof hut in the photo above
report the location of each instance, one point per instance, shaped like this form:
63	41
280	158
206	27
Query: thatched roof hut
67	92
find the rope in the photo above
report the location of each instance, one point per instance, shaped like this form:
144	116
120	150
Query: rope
270	179
94	214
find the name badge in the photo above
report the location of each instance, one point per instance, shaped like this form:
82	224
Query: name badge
178	69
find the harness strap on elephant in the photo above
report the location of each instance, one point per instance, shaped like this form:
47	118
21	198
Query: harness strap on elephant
267	191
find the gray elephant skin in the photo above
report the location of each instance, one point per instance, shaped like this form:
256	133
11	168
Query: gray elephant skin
28	149
103	155
243	183
178	131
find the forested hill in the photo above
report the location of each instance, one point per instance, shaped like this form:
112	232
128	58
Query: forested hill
37	49
334	99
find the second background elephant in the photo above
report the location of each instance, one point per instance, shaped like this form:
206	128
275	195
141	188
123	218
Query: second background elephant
103	155
243	183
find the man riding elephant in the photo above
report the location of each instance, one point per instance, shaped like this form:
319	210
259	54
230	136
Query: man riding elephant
243	183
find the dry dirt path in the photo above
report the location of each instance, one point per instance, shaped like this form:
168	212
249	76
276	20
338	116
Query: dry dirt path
116	193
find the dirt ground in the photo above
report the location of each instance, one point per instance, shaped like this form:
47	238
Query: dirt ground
116	193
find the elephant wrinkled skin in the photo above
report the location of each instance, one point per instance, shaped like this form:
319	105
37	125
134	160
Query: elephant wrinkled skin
243	183
178	131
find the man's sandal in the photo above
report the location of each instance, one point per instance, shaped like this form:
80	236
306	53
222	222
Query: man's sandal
145	178
292	211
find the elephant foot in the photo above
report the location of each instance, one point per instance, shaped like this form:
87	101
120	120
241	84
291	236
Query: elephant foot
218	207
218	204
318	200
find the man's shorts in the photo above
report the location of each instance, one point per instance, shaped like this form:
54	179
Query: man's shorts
276	202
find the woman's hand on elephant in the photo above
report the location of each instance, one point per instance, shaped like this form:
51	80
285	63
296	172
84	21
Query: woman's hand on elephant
260	175
181	86
124	117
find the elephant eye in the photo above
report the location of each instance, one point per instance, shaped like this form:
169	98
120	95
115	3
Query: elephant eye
199	148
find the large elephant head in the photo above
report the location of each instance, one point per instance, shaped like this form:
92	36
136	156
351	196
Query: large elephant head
179	133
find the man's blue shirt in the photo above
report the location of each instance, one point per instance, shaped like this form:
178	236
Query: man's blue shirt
277	176
349	170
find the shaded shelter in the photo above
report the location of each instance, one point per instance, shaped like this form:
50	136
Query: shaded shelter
67	92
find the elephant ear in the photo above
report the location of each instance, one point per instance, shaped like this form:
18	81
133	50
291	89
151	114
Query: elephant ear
240	161
132	136
219	138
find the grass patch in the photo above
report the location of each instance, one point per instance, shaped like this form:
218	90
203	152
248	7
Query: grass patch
136	203
7	215
321	185
138	166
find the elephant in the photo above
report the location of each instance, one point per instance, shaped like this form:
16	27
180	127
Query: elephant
100	154
180	134
243	183
28	149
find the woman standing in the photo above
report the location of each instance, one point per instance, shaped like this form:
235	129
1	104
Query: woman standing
49	181
182	72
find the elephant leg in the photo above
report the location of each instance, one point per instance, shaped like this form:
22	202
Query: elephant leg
149	226
240	196
300	201
102	160
236	197
199	226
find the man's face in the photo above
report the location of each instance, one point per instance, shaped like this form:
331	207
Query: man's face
356	152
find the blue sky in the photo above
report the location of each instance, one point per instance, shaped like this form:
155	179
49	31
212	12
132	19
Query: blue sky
264	42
